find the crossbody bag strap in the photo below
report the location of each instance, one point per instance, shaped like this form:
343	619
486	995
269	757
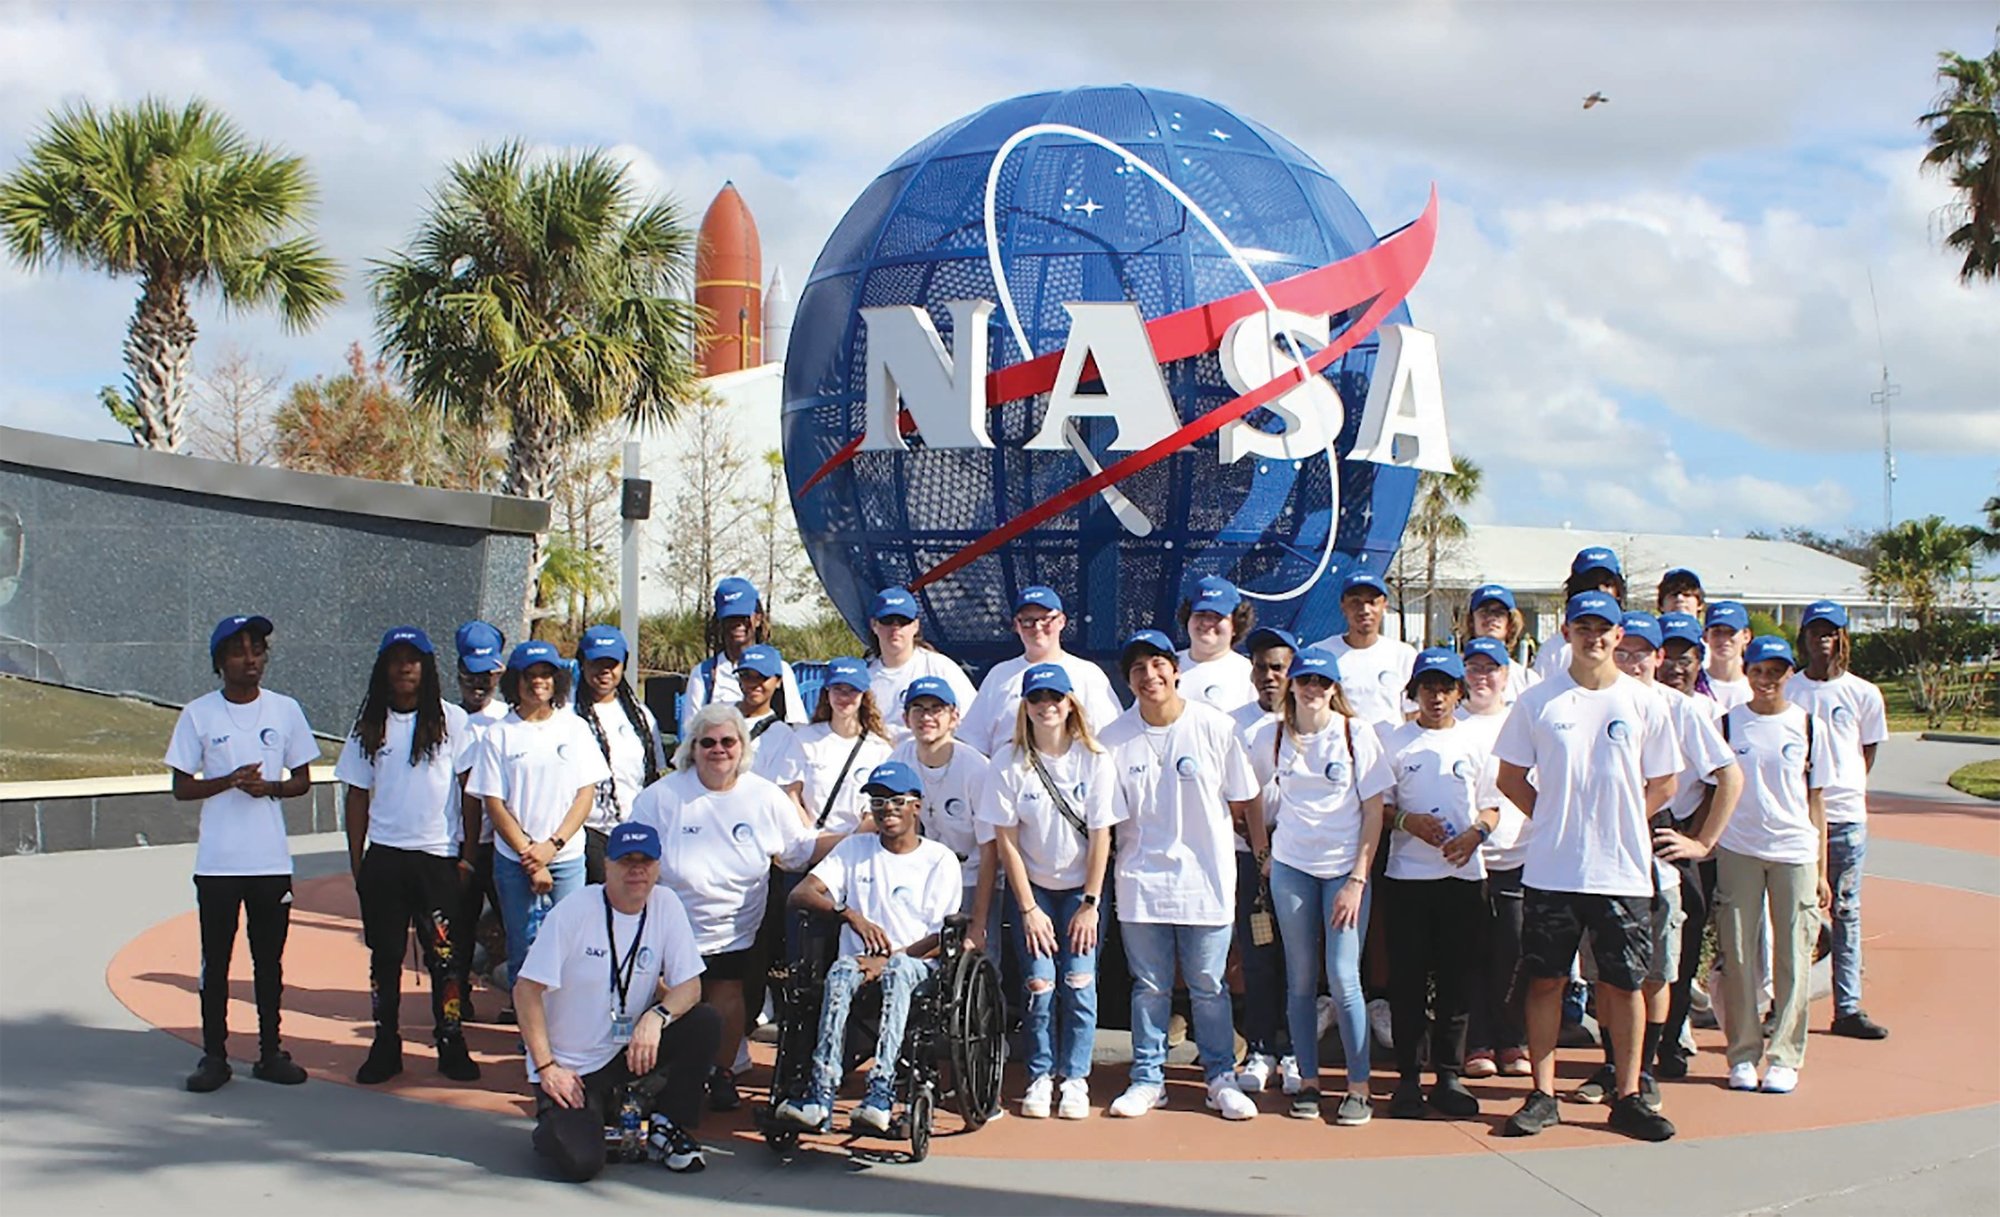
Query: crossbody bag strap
1055	796
846	766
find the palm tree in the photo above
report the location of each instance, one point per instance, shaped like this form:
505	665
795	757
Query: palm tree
1964	127
186	202
1435	523
1916	566
545	296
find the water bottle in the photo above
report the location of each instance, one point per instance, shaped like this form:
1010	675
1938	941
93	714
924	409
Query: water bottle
631	1141
538	908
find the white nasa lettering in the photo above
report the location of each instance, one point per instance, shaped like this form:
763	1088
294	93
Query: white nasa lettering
1251	356
1135	394
1407	404
907	363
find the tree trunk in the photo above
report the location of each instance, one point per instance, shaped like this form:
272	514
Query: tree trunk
1430	583
159	348
531	474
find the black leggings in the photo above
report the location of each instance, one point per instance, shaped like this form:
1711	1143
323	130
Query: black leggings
399	888
1433	932
1697	888
1496	1008
267	904
574	1136
478	893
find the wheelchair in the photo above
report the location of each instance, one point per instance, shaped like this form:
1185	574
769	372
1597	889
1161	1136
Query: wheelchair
954	1047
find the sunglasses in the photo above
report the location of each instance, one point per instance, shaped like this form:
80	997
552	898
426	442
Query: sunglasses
724	743
893	802
1042	697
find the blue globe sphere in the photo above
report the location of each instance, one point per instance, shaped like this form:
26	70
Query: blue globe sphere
1075	223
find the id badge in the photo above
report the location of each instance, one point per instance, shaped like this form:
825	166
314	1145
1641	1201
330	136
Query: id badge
621	1028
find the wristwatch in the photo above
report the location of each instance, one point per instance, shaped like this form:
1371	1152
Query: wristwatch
558	842
1089	901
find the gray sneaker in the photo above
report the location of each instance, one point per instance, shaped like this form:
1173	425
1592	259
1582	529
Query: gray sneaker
1354	1110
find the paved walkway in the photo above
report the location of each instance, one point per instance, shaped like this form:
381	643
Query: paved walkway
94	1119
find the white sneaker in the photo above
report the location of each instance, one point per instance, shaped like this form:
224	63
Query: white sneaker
1325	1014
742	1065
1778	1079
1380	1023
1688	1046
1138	1099
1743	1077
1035	1103
1223	1096
869	1116
809	1116
1074	1103
1254	1073
1288	1068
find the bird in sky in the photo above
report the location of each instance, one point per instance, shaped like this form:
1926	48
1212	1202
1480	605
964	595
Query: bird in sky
1597	98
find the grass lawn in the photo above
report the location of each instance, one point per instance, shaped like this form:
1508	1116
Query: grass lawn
1980	778
55	734
1905	717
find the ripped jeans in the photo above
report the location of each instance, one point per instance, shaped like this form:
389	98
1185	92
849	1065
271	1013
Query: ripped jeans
902	975
1063	986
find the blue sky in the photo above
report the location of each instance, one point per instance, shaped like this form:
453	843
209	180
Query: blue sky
1651	315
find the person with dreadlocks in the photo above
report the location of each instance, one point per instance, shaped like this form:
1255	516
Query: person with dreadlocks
403	765
739	620
627	735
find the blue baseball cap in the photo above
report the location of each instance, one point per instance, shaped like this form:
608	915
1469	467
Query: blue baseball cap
761	659
1492	648
848	671
1144	644
633	837
735	597
1825	610
603	642
1315	661
1437	661
230	627
407	635
1264	637
1768	646
1040	597
527	654
481	647
893	602
1052	677
1729	613
1491	591
893	777
1685	627
1593	604
1681	572
1361	580
1596	557
1214	594
1643	626
930	686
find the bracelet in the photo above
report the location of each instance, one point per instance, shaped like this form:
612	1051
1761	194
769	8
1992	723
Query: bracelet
1485	833
1397	824
1359	880
547	1067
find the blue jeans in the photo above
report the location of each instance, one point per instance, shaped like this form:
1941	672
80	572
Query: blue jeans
518	899
1263	967
1846	849
1151	950
1068	991
902	975
1304	906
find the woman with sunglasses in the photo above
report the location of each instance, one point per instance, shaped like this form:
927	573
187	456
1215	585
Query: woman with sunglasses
722	828
898	655
828	759
1039	621
1049	802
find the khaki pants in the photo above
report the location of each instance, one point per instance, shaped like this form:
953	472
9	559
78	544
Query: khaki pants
1743	887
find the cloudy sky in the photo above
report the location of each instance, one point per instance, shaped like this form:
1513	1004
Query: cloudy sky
1654	315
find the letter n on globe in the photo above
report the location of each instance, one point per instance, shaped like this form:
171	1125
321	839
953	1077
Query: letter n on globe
945	392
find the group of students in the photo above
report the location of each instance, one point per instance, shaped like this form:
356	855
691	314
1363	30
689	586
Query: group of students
1524	827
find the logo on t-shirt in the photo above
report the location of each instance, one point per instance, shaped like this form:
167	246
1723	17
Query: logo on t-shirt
1077	792
1618	730
268	737
740	833
645	959
1336	771
690	829
1462	769
562	751
906	897
1794	752
1211	693
1842	717
954	807
1187	766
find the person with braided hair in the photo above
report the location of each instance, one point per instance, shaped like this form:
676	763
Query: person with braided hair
626	733
740	619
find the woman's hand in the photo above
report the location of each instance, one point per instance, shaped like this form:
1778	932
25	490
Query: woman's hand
1039	930
1347	905
542	852
1424	827
1459	850
1083	930
540	881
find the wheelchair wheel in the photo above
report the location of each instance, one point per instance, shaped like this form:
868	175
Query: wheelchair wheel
783	1141
919	1116
977	1022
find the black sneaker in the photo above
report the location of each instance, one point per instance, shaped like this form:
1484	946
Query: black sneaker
210	1074
1649	1094
466	1014
1538	1111
1452	1099
1305	1105
722	1094
1859	1026
1630	1116
454	1061
1673	1066
674	1147
1597	1088
278	1066
1408	1101
506	1016
385	1060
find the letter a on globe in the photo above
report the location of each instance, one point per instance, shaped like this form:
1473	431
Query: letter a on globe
1135	395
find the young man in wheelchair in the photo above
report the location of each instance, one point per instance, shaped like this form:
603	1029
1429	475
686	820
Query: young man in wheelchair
891	890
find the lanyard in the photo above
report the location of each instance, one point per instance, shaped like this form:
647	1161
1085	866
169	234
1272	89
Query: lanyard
621	974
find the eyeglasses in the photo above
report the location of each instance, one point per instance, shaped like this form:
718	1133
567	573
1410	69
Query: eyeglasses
1625	656
893	802
1686	659
927	708
722	743
1043	697
1048	621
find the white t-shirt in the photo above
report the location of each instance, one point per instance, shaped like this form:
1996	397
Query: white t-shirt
627	763
767	750
1553	657
1519	677
889	683
1851	716
417	806
908	895
717	847
1444	773
492	712
1176	849
213	737
1222	682
572	959
714	679
990	721
1055	854
1374	678
814	756
536	768
1699	738
1730	694
1248	719
1773	821
1319	786
1593	751
1507	848
953	794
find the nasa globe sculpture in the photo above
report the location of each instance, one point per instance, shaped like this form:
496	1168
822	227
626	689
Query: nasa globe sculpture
1110	340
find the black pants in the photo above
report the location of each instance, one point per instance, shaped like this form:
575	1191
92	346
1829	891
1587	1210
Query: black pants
1263	967
478	893
400	888
1496	1006
266	901
1433	934
573	1137
594	845
1697	893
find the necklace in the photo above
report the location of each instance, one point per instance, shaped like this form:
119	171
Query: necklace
256	713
